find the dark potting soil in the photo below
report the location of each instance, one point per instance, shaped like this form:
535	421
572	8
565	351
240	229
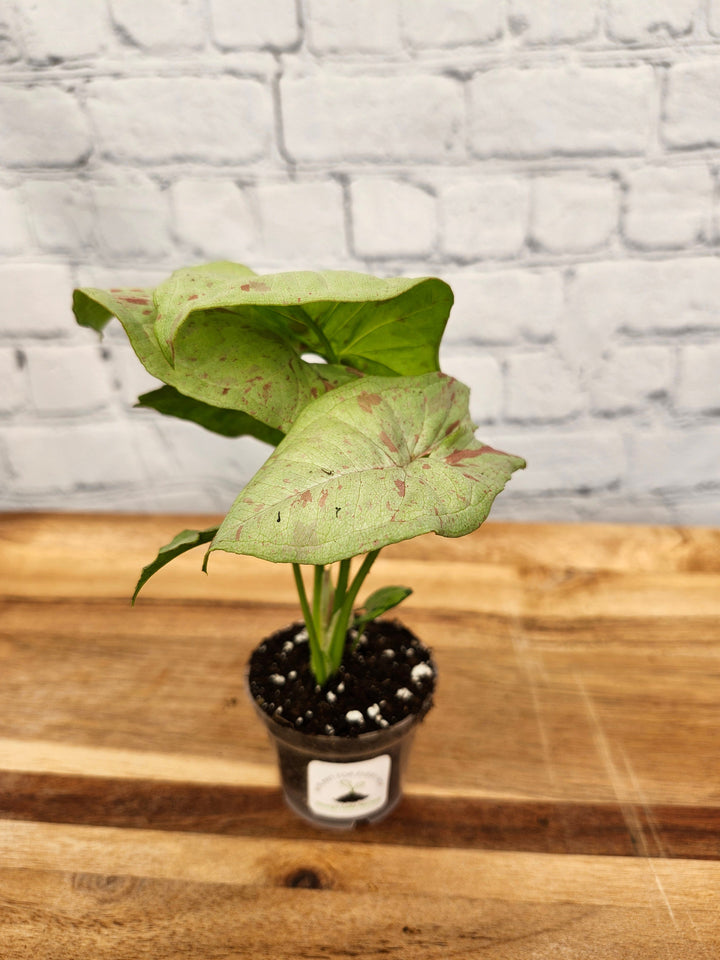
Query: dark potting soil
386	675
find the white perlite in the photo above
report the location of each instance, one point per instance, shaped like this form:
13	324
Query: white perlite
354	716
403	693
278	679
419	671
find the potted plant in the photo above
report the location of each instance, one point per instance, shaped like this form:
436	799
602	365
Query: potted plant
374	445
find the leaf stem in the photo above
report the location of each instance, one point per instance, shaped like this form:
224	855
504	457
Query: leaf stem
342	582
317	664
337	641
325	346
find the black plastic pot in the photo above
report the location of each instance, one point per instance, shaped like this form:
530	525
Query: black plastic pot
338	782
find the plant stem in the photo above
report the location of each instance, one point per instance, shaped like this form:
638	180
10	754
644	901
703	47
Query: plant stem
342	621
328	620
317	664
317	602
342	582
324	343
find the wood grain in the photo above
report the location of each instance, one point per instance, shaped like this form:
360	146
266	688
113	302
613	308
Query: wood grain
562	798
126	893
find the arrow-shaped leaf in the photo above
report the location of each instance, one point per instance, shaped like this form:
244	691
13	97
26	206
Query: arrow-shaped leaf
184	541
379	602
224	336
371	463
228	423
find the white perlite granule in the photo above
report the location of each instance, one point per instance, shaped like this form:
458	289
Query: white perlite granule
373	711
354	716
419	671
278	679
403	693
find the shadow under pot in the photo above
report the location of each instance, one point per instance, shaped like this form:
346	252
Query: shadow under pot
343	748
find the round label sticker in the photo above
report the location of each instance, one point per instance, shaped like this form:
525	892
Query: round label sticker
344	790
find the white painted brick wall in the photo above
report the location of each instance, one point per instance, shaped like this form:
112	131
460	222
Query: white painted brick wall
574	213
560	111
557	161
392	218
485	218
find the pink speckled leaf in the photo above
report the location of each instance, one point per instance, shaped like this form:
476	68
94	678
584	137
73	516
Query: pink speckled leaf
228	338
374	462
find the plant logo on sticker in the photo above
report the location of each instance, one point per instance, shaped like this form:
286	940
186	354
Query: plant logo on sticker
343	790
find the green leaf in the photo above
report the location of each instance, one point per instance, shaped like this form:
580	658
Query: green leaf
184	541
371	463
379	603
229	338
228	423
349	318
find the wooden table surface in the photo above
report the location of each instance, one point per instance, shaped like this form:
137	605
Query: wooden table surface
563	798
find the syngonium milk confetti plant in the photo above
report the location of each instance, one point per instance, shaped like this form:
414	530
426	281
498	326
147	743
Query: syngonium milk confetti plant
339	371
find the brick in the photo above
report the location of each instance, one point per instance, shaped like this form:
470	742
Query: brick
95	274
131	219
67	379
214	219
364	26
668	207
541	386
485	217
207	457
10	40
556	111
665	459
454	23
257	24
36	299
51	29
574	213
43	458
392	218
483	375
714	17
13	390
699	383
563	460
414	118
553	21
302	221
131	377
691	117
162	24
61	213
700	508
627	376
157	120
502	307
639	297
14	233
27	114
641	21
